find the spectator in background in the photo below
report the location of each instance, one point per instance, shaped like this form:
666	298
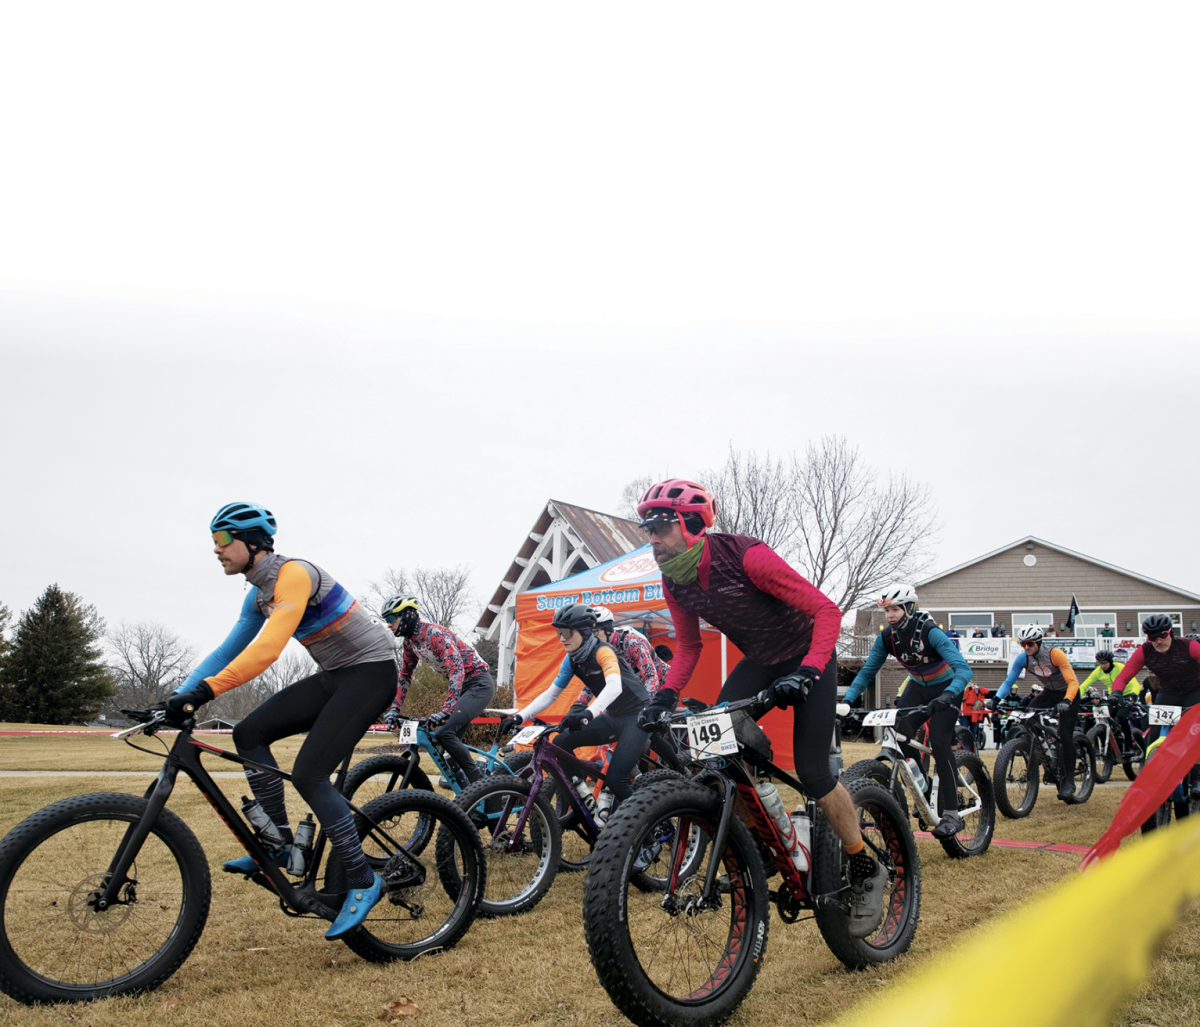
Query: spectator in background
1107	632
998	631
978	633
954	636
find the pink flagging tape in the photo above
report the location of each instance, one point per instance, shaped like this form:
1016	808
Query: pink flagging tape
1012	843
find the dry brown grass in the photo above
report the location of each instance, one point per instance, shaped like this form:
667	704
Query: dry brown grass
253	965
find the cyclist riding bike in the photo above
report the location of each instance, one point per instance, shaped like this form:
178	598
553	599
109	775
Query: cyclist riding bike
786	630
293	598
611	715
1176	664
633	647
938	674
1106	672
471	683
1060	690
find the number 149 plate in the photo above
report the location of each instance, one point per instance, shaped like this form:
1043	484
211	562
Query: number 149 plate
711	734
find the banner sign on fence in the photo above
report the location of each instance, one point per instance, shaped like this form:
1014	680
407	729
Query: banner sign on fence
976	649
1080	651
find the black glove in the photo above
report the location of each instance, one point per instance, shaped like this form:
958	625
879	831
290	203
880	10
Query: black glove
990	704
656	714
173	705
392	718
945	701
1062	708
436	720
511	723
579	716
792	689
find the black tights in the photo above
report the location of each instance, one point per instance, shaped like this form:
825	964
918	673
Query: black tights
476	694
941	738
631	741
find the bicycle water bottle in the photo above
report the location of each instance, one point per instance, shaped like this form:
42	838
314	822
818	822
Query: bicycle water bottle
768	795
918	777
803	828
263	825
301	846
585	794
604	806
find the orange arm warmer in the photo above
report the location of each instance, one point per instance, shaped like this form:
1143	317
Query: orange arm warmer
292	590
1059	659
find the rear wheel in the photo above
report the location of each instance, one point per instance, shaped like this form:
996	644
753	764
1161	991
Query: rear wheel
889	839
432	892
520	870
373	777
1016	777
670	960
576	843
57	946
976	806
1106	754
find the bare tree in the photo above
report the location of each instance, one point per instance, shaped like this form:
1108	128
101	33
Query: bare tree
444	592
148	661
857	534
632	492
5	624
754	497
294	664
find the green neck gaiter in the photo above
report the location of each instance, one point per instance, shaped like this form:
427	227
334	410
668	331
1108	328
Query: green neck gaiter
685	567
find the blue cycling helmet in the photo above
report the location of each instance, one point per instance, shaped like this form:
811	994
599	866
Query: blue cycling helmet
238	517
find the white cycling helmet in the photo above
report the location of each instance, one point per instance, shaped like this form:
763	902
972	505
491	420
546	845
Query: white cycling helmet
898	595
1030	633
604	618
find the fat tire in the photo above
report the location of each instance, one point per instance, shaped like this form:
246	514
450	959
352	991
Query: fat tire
1104	767
1087	780
464	885
902	910
644	881
956	847
605	923
20	981
391	766
880	772
568	819
544	833
1024	745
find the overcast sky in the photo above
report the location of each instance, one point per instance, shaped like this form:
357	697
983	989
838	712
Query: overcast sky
404	272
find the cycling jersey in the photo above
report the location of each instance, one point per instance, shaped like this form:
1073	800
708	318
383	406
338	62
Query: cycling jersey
617	688
447	653
1050	666
635	649
925	652
1178	669
746	590
1105	681
292	598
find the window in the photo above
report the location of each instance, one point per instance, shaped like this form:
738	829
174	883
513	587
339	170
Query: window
966	624
1042	620
1089	625
1176	621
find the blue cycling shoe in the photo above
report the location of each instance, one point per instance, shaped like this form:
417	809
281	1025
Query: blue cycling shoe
359	902
246	864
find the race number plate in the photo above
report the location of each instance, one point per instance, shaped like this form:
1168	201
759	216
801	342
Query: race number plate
711	734
1021	714
880	718
1165	716
408	732
1101	712
527	734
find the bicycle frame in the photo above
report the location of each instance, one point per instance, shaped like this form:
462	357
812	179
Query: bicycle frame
448	768
890	745
549	758
184	755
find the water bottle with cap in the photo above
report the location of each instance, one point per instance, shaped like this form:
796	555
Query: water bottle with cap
585	794
917	776
301	846
803	826
263	825
768	795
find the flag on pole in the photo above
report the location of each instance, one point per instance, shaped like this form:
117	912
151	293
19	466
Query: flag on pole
1072	614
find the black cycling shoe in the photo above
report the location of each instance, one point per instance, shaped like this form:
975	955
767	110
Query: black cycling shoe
866	901
950	824
1049	778
1066	790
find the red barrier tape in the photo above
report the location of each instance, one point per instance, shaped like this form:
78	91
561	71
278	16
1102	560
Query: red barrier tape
1008	843
1159	775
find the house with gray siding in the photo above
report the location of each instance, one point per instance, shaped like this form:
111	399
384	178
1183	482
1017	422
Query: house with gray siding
1031	581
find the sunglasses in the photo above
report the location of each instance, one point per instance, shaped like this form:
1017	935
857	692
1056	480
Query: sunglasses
1158	634
222	538
652	528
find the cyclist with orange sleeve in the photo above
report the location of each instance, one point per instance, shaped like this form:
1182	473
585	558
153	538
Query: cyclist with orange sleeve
786	630
1060	690
293	598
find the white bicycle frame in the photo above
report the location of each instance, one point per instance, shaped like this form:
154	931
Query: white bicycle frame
886	719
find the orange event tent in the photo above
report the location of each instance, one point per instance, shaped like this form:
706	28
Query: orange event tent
630	586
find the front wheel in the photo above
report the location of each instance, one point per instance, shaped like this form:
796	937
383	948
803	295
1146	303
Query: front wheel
1017	777
976	806
56	945
888	837
673	959
432	893
1085	768
655	860
1104	742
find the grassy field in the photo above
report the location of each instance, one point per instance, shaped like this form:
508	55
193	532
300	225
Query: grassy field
254	965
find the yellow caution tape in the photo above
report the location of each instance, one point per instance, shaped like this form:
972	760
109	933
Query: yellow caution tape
1133	897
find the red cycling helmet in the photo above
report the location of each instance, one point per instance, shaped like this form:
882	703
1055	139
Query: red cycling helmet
669	499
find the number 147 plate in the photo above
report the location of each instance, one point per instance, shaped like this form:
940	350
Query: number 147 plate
711	734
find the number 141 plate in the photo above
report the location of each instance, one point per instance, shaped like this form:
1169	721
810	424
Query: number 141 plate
711	734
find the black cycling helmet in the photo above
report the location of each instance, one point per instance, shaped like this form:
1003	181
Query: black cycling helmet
1156	624
1104	656
575	617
